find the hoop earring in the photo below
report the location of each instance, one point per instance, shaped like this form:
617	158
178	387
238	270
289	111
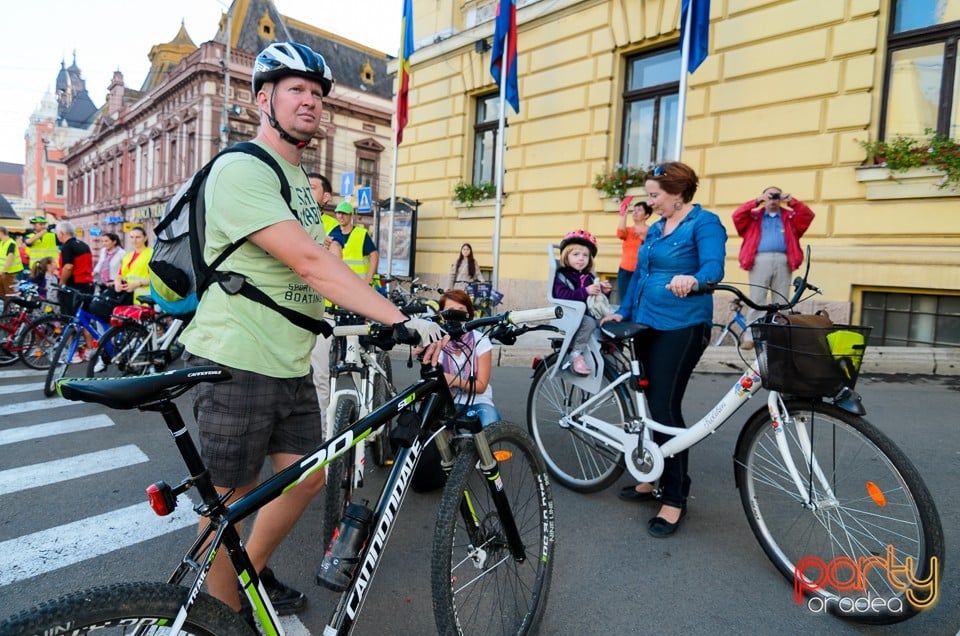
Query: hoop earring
677	205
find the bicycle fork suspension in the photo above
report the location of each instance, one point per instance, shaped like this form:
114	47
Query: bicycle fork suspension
779	418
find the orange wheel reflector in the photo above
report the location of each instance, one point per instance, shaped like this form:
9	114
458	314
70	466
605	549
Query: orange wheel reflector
502	455
876	494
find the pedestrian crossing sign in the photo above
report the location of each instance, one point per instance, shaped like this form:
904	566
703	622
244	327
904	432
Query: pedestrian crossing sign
363	199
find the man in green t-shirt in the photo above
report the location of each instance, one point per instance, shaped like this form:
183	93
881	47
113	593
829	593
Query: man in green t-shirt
269	407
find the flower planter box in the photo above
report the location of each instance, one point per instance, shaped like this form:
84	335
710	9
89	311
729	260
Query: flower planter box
613	205
915	183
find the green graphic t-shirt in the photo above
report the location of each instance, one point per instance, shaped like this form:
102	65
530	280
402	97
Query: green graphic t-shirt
243	196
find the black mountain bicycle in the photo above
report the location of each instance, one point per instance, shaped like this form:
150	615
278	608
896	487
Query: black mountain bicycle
493	546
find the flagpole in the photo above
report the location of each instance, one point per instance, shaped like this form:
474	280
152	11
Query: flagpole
684	75
500	168
393	207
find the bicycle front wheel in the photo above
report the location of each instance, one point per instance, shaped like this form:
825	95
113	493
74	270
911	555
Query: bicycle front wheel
868	505
574	458
127	608
122	351
381	451
336	495
37	343
64	355
479	587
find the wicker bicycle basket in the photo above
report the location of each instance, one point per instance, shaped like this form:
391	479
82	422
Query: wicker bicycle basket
809	361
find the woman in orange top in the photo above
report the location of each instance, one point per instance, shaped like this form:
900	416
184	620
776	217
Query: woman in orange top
632	240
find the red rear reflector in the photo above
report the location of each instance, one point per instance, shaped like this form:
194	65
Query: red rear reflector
161	498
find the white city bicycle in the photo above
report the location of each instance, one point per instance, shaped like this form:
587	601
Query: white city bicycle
819	483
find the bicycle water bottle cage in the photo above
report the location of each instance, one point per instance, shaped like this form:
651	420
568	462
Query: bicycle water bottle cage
404	429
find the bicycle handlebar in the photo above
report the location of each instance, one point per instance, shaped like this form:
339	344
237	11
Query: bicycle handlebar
510	320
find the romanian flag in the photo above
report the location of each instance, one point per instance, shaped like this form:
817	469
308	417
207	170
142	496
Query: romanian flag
406	50
505	39
698	38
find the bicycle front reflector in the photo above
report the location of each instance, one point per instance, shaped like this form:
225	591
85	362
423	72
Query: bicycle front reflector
161	498
876	494
503	455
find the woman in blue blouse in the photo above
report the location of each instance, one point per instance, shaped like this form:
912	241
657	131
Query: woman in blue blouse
684	248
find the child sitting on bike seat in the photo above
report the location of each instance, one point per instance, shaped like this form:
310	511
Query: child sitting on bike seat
575	281
466	363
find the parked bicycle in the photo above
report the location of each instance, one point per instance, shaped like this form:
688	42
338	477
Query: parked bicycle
140	340
27	331
77	342
492	547
816	479
733	330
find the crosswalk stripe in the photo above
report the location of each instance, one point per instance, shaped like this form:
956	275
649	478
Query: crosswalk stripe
293	627
35	475
47	550
20	388
49	429
20	373
35	405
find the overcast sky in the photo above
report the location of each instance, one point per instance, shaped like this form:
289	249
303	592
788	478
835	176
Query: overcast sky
36	35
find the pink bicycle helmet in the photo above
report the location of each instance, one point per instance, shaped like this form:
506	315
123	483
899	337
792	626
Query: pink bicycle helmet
580	237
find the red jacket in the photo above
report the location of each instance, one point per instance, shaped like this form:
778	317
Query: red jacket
795	223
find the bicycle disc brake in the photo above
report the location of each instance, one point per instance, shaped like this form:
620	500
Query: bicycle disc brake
645	461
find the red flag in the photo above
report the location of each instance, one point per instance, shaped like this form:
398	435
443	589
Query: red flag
505	39
406	50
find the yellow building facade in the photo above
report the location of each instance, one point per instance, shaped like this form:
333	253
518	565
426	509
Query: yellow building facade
787	92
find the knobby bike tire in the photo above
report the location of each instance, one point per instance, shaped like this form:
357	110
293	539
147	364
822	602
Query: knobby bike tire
120	353
575	459
381	451
478	586
336	495
124	607
63	353
37	343
879	500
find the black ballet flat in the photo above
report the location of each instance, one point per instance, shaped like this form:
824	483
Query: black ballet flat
629	493
661	528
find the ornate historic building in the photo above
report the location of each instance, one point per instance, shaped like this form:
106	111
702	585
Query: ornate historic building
142	149
61	119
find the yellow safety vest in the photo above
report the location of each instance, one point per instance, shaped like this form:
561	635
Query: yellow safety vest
353	252
46	246
17	265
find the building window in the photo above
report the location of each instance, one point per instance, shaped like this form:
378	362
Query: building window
650	101
59	187
485	138
912	320
367	171
921	83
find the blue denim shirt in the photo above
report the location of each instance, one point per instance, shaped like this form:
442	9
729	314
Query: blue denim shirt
696	247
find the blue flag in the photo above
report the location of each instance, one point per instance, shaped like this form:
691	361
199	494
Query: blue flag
699	31
505	38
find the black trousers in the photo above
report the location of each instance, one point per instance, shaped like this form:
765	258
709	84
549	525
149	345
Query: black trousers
669	357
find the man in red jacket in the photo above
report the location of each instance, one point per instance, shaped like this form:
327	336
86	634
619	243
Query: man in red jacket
771	227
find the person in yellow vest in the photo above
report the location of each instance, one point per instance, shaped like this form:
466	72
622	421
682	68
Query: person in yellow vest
359	251
10	263
323	192
41	242
134	276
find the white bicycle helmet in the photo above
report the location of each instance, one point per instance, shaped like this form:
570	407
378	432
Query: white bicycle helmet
291	58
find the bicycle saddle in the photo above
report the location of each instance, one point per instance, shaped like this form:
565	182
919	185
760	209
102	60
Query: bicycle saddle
622	330
133	392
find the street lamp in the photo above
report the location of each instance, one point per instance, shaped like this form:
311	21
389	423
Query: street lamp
225	63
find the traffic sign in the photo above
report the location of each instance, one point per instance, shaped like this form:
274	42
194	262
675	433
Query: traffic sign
346	184
363	199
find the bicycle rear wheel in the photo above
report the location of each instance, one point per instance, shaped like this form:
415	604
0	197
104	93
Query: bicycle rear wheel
574	458
122	351
879	503
125	608
478	586
336	494
723	335
63	357
37	343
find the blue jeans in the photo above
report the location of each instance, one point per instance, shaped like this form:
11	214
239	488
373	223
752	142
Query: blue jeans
487	413
668	358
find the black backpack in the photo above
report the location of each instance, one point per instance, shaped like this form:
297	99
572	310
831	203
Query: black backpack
178	273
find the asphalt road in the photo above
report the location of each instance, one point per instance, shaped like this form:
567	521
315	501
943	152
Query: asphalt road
610	577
